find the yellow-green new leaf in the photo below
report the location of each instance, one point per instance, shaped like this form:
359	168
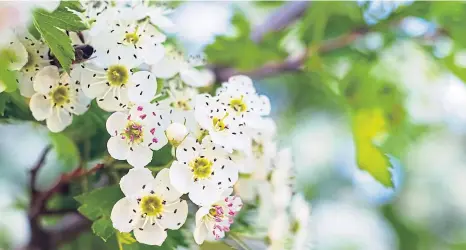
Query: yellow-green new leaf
369	125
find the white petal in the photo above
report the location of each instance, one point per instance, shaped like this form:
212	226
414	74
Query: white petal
157	140
164	188
21	55
123	217
193	77
116	123
143	87
59	120
150	235
133	182
204	192
181	176
162	22
118	148
25	84
167	67
41	107
265	105
226	173
201	212
46	77
110	103
152	52
200	233
174	216
188	150
92	83
139	156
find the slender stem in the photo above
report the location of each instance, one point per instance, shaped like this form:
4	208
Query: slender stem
238	241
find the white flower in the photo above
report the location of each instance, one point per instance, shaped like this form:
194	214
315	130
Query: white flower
94	8
135	135
264	149
180	104
157	14
240	99
176	133
213	221
57	99
114	87
127	42
203	170
224	128
278	231
150	206
174	63
31	56
283	166
300	212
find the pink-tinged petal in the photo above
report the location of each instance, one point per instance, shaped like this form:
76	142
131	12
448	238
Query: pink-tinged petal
116	123
118	148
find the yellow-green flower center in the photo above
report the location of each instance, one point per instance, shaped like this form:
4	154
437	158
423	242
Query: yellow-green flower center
132	38
213	212
60	95
117	75
257	148
151	205
294	226
133	132
201	167
183	105
238	105
219	124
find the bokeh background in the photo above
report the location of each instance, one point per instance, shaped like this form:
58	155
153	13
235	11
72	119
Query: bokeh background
403	58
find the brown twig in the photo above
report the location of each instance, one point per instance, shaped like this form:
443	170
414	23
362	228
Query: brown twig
292	64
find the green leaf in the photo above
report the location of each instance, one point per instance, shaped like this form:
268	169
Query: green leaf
4	98
7	77
102	198
67	151
103	228
97	206
72	5
125	238
56	39
368	126
64	19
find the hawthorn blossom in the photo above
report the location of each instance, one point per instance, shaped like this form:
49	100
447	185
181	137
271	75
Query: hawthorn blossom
150	206
135	135
241	100
176	133
225	129
278	231
180	104
174	63
213	221
300	213
114	87
31	55
202	170
57	99
127	42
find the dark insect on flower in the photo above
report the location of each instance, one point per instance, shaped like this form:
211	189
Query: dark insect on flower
82	52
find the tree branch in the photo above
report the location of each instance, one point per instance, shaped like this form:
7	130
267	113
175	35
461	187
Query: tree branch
292	64
280	19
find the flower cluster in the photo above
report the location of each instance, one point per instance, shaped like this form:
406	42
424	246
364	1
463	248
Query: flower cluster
158	99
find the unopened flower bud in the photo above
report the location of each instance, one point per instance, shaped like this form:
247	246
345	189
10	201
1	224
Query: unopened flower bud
176	132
